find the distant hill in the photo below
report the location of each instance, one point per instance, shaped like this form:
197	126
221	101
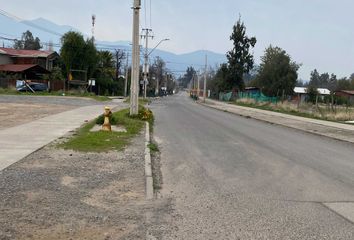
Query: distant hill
177	63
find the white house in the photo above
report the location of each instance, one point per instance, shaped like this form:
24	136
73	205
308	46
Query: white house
301	93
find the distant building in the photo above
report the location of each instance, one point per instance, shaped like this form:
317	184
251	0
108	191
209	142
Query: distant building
301	93
346	94
252	90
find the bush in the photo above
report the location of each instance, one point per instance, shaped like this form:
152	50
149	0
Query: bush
112	119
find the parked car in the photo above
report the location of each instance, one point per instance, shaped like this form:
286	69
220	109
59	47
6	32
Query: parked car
38	87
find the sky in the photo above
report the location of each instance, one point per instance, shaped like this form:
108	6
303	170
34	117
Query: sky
315	33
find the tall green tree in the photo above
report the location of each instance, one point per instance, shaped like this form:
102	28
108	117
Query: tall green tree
105	71
28	42
187	77
78	54
314	79
277	73
240	58
72	50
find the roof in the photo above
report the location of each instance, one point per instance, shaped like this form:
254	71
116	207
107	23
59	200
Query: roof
350	92
25	53
17	68
300	90
303	90
323	91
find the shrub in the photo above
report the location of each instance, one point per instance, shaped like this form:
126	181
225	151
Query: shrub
112	119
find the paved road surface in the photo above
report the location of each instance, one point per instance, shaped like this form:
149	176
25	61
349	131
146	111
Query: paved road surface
230	177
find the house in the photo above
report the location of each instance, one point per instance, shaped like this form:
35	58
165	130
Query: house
348	94
44	59
252	90
301	93
27	65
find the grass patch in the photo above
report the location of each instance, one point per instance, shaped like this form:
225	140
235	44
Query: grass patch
153	147
87	141
307	111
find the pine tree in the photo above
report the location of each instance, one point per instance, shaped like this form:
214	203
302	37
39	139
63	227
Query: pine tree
240	59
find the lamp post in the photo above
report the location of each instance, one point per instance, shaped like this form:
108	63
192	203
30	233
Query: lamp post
146	67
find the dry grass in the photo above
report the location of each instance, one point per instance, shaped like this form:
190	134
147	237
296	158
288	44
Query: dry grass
322	111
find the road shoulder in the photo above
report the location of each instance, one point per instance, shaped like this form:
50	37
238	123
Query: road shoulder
333	130
63	194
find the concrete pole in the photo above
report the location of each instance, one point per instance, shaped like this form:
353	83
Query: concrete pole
205	77
198	85
126	76
157	83
146	59
134	86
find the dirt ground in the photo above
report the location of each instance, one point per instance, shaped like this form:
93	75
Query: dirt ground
59	194
13	114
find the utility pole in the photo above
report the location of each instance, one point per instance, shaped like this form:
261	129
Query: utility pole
157	82
198	87
134	86
93	27
146	57
126	76
205	77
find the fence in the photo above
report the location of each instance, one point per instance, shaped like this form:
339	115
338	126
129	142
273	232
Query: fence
258	97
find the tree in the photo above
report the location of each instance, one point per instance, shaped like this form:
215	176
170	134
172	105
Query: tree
78	54
277	73
187	77
220	81
314	79
72	50
157	73
240	58
119	56
28	42
105	73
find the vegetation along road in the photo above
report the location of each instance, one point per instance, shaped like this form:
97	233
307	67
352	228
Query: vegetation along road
229	177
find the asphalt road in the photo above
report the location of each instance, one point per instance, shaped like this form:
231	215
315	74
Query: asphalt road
229	177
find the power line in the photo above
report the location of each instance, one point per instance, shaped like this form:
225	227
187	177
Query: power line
183	63
59	45
145	12
150	14
23	21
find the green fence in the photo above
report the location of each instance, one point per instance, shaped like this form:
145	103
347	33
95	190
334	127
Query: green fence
258	97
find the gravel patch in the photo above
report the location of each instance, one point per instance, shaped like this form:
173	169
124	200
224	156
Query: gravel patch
14	114
61	194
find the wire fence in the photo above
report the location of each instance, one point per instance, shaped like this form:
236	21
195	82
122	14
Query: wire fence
258	97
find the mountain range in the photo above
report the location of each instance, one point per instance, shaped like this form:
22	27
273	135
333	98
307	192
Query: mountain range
177	63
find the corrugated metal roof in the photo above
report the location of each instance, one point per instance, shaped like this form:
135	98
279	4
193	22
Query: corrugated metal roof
300	90
21	67
323	91
303	90
351	92
25	53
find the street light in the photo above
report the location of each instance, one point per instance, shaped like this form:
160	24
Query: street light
146	66
166	39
